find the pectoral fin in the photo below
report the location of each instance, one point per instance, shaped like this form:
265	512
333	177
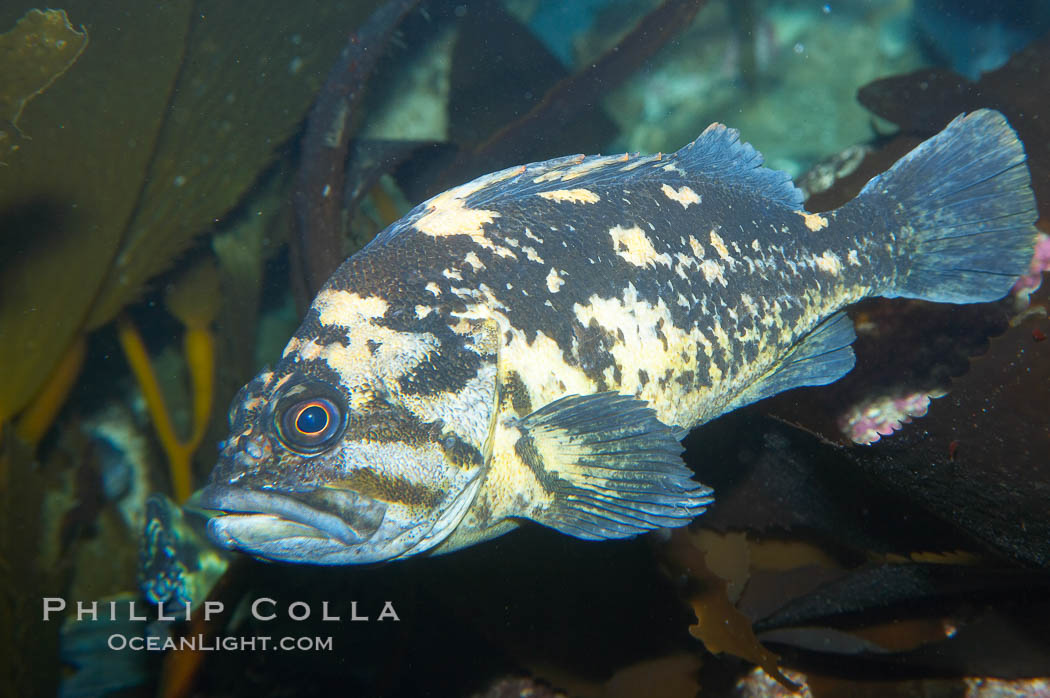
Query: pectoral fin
612	469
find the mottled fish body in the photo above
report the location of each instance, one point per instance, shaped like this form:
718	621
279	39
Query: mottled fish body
533	344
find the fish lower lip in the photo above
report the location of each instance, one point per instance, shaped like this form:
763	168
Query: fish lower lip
303	508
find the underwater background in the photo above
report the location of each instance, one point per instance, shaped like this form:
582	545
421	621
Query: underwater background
885	535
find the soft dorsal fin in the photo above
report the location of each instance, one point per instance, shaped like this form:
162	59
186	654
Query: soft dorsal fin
719	153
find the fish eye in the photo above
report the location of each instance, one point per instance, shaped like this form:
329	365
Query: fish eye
313	417
308	422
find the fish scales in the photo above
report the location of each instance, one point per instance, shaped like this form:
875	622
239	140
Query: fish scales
532	344
618	310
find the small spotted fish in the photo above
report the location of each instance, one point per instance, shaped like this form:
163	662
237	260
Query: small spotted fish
534	344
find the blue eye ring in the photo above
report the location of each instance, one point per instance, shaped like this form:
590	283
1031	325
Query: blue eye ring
310	418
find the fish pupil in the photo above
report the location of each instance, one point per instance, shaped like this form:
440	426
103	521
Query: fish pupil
312	420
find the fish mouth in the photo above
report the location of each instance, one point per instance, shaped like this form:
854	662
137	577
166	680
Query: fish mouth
267	522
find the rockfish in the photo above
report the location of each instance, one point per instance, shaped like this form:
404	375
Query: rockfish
533	345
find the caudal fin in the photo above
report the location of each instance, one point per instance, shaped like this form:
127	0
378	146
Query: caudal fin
966	202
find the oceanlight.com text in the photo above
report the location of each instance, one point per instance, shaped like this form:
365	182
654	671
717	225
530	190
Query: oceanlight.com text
204	643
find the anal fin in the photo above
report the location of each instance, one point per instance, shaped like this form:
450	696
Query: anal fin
612	468
821	357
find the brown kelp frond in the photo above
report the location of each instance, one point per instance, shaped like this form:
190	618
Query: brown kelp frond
109	185
247	80
34	421
41	47
717	569
68	189
976	462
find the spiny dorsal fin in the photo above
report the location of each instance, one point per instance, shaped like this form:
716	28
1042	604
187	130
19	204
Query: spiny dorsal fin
716	157
614	470
719	153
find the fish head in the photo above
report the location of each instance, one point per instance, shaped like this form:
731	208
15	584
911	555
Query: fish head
340	456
